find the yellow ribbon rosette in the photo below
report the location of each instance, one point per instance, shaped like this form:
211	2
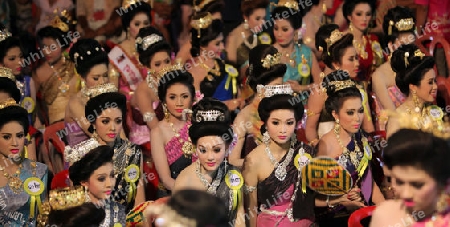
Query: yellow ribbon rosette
232	78
365	102
366	158
132	174
34	187
264	38
28	104
235	181
300	161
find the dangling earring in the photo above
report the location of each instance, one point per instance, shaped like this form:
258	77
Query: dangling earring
443	203
86	194
95	135
226	164
266	138
166	112
416	102
324	8
337	126
296	38
246	24
350	27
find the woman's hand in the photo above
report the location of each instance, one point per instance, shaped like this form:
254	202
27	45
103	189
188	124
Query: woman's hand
352	200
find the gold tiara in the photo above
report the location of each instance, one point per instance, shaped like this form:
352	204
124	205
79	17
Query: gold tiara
61	199
99	89
202	23
57	22
77	152
163	215
7	103
168	69
128	3
405	24
271	60
202	4
7	72
335	36
147	41
209	115
340	85
4	34
291	4
271	90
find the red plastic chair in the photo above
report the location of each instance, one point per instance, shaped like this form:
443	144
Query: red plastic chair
61	180
356	217
51	135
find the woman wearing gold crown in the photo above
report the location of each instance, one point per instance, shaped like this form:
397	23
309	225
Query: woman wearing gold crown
246	36
93	168
417	80
91	63
399	24
302	66
124	57
212	77
418	162
265	70
22	181
212	135
338	53
272	171
171	146
55	80
348	144
105	111
215	8
358	15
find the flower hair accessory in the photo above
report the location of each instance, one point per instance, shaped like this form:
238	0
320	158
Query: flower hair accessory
100	89
202	23
77	55
147	41
271	60
7	73
209	115
7	103
77	152
419	53
271	90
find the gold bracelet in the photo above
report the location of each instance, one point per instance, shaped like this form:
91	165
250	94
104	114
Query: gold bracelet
313	142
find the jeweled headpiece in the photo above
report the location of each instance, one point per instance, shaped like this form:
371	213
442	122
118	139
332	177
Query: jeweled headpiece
62	20
335	36
419	53
168	69
209	115
100	89
202	23
166	216
127	3
4	34
342	84
202	4
291	4
271	90
271	60
77	152
77	55
8	102
7	72
62	199
405	24
147	41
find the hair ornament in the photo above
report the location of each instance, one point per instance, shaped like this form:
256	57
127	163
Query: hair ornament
419	53
127	3
335	36
271	90
77	152
271	60
391	23
7	73
7	103
406	59
62	20
99	89
291	4
202	23
147	41
209	115
202	4
340	85
169	69
404	24
77	55
4	34
164	215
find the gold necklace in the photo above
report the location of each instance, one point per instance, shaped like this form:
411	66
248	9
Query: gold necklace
215	70
64	87
354	155
187	147
361	48
14	181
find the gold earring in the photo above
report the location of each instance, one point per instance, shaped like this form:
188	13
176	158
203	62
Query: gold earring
324	8
296	38
443	203
337	126
350	27
166	112
416	102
